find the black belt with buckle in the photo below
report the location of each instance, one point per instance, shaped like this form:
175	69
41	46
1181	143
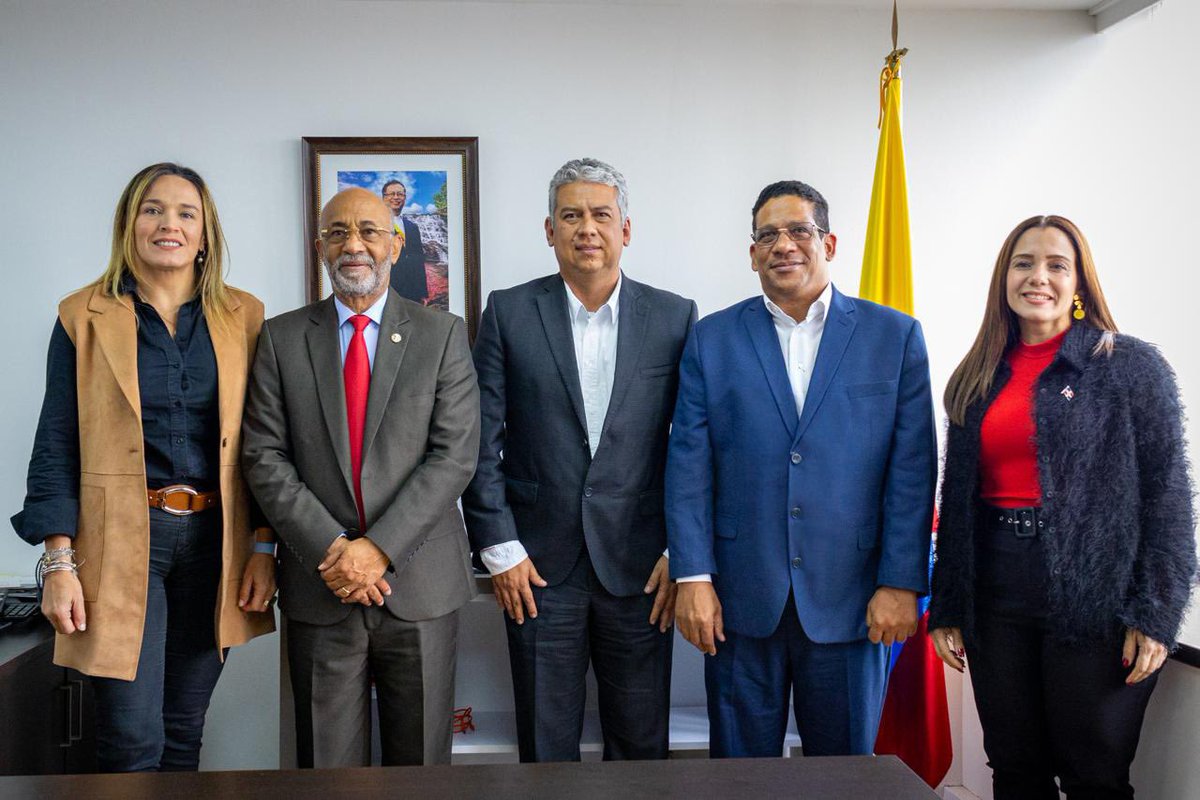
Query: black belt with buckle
1024	523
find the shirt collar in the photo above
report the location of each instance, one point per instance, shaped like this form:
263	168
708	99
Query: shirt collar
816	312
574	306
128	286
375	312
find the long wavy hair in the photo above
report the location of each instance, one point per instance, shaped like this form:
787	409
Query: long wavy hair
210	263
972	379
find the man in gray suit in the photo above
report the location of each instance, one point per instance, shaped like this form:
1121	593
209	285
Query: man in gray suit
577	375
361	430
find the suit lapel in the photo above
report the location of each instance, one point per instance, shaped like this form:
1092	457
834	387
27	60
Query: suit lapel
115	325
552	305
394	334
839	326
229	346
759	324
632	320
325	354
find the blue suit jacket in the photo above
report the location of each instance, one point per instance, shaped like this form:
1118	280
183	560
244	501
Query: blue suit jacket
831	504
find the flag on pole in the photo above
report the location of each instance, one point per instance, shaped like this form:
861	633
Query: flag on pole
887	251
916	720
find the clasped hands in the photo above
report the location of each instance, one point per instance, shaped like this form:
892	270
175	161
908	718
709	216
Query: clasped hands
353	571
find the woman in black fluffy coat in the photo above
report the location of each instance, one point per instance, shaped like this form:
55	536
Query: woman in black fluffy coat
1066	550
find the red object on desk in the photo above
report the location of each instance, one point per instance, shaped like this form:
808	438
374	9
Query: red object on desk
463	722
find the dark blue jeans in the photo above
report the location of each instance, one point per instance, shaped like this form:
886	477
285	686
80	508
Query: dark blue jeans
155	721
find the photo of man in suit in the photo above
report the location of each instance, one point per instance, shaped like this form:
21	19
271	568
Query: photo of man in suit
577	375
408	272
800	485
360	432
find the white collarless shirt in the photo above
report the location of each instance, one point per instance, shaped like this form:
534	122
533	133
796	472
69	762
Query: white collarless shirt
594	336
799	342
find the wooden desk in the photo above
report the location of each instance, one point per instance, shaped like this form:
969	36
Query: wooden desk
858	777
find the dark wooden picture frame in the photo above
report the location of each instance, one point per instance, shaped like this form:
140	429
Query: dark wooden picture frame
332	163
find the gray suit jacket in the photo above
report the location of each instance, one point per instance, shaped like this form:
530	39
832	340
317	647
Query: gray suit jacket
537	480
420	442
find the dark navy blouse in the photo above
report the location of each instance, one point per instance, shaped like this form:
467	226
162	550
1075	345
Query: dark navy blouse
177	384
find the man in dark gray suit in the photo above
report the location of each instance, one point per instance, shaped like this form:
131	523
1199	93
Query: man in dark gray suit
577	375
361	430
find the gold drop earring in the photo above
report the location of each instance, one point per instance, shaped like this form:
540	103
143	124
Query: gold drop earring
1078	313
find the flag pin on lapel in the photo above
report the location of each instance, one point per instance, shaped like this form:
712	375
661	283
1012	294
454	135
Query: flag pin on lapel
396	338
1068	392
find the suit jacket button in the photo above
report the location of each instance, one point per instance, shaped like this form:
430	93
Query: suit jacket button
796	562
796	459
796	513
587	492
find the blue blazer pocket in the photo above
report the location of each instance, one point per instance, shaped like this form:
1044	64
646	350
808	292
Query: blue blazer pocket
868	536
725	526
651	503
655	372
869	389
520	492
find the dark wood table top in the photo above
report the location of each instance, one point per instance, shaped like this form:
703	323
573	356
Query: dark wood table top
857	777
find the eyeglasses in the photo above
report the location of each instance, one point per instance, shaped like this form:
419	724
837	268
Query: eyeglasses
396	193
368	235
799	233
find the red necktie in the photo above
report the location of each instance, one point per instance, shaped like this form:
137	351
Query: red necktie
358	381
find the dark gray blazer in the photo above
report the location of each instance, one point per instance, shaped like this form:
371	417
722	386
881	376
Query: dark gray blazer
420	442
537	480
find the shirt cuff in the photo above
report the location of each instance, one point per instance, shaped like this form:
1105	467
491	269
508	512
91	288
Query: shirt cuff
705	578
503	557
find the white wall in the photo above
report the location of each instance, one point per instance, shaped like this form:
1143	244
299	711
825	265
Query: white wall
1006	114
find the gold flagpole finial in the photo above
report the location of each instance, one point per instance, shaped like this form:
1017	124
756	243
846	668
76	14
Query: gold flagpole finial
891	63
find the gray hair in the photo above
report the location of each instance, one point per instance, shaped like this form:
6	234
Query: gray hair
589	170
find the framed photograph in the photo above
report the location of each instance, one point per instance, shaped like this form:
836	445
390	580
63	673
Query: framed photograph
431	186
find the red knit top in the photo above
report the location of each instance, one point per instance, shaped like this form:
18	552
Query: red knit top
1008	475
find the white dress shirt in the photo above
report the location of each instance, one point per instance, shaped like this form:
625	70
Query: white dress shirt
370	333
594	334
799	342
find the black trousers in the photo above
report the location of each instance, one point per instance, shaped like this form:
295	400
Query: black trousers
1048	709
578	621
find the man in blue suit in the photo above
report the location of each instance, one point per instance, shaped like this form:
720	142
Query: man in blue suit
799	493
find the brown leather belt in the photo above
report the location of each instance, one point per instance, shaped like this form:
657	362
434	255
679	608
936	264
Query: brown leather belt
182	500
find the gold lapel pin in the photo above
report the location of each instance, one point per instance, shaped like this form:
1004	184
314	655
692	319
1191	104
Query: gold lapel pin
396	338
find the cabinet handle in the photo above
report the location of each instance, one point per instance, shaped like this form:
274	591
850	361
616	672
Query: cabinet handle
69	707
73	700
76	719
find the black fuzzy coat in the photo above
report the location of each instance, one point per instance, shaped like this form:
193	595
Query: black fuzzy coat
1120	535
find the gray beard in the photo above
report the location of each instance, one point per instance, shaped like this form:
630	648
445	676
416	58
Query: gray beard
351	287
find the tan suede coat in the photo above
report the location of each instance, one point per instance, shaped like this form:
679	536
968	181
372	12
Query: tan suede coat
112	542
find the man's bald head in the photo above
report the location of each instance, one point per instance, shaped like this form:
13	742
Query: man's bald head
357	245
351	198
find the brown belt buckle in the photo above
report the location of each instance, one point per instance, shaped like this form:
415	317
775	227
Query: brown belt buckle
175	489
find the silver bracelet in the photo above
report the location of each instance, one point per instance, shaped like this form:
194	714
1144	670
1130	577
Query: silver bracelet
58	559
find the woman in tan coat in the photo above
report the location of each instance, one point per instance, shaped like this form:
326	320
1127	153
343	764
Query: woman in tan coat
151	566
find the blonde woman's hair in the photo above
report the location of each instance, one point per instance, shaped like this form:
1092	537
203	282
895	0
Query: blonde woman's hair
210	262
972	379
